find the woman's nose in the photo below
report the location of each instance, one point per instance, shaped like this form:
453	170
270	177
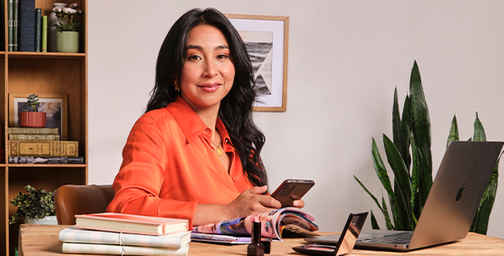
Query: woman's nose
210	69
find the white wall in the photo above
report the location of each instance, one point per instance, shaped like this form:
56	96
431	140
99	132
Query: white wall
345	59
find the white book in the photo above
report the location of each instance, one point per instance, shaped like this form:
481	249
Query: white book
78	235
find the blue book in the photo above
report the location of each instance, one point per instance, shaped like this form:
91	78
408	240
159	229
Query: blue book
26	25
38	30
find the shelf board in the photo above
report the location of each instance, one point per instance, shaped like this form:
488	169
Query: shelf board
44	55
45	165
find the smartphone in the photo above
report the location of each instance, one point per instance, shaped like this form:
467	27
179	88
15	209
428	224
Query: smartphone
290	190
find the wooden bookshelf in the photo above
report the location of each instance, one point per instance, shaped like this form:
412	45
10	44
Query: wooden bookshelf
42	73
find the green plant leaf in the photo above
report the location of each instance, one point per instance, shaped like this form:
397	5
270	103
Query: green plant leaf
402	187
400	128
421	179
420	124
381	171
454	135
396	122
406	131
33	204
480	222
369	193
386	215
479	131
383	208
374	223
420	141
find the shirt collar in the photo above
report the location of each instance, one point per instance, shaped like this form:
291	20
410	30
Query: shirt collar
191	124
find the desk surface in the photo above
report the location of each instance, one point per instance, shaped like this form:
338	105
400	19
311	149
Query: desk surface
42	240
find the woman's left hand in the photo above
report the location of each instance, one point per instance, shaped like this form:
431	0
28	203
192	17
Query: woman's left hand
298	203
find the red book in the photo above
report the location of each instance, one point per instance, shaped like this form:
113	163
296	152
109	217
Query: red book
129	223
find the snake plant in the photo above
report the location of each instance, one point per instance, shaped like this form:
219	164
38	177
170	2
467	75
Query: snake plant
409	157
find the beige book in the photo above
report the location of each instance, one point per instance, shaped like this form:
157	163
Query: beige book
43	148
26	130
35	137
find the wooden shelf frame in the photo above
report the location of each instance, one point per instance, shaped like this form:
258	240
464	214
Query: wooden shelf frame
42	72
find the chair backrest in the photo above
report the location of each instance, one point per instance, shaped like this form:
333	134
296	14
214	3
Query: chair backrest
70	200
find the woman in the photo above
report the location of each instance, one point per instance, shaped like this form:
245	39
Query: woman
195	153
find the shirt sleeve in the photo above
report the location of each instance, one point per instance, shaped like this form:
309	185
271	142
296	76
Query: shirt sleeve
142	175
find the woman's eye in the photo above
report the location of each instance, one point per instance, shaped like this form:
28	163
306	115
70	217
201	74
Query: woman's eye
222	56
194	57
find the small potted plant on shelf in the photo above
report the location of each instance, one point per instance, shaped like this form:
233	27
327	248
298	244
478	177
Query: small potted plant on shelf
30	117
67	26
35	206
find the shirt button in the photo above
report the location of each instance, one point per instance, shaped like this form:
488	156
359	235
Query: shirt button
235	179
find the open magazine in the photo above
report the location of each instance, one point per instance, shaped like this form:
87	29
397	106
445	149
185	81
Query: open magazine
273	223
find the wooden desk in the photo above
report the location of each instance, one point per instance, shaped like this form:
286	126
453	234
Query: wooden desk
42	240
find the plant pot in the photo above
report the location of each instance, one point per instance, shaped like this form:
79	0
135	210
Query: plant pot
67	41
47	220
32	119
51	30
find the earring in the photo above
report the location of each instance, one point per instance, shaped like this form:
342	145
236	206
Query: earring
175	83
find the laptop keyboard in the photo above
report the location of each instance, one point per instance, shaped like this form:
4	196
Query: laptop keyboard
399	238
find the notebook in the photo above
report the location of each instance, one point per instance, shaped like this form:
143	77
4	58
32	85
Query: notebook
345	242
451	205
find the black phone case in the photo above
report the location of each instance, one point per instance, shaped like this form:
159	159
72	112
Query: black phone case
291	190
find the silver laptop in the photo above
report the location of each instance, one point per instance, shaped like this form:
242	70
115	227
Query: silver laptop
450	206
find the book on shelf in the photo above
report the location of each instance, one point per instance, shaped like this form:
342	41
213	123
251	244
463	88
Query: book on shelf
12	19
45	160
2	26
43	148
44	33
34	137
130	223
122	250
38	30
27	25
288	221
78	235
26	130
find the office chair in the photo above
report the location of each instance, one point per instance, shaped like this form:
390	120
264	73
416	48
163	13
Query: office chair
70	200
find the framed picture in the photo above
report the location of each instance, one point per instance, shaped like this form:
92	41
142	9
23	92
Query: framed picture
54	104
267	40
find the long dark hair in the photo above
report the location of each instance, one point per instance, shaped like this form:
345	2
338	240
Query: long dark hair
236	108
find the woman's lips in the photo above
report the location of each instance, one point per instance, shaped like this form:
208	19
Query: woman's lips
210	87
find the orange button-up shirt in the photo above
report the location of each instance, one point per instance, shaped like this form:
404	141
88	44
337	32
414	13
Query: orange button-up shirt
169	166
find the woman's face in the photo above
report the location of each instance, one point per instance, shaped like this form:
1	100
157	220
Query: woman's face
208	73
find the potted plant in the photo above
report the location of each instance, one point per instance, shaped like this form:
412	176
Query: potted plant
409	156
67	34
30	117
35	206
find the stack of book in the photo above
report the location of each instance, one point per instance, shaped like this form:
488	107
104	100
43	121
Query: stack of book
126	234
27	27
41	146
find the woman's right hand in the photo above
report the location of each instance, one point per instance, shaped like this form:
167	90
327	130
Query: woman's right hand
252	201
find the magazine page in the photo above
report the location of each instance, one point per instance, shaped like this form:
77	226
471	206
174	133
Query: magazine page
272	223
